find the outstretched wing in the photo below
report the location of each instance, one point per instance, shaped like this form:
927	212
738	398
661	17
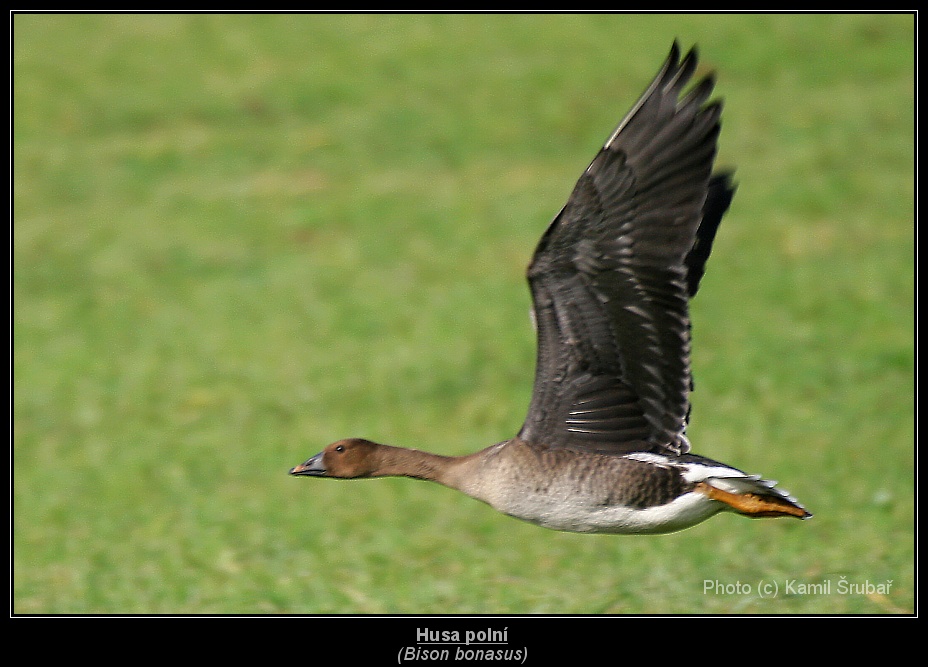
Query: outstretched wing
613	274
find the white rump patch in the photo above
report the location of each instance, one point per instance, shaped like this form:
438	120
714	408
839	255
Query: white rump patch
648	457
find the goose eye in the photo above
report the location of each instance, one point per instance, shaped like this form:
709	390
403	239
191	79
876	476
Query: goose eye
340	448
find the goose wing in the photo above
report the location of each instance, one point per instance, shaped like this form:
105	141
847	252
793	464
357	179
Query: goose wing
612	276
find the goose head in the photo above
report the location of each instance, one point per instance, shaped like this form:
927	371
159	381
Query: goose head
344	459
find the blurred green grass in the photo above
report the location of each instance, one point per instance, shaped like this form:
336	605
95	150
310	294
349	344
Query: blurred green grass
237	238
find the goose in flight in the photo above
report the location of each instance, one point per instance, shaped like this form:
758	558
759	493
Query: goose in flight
603	448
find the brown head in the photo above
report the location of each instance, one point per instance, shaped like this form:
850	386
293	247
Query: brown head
345	459
355	457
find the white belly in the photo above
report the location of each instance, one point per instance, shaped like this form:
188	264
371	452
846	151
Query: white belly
575	515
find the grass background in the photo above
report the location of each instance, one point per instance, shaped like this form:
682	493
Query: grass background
237	238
